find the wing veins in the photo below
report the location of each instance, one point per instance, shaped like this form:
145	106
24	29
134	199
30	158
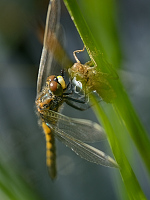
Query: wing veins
84	150
84	130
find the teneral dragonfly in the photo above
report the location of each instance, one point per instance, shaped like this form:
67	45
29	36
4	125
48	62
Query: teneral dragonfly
52	91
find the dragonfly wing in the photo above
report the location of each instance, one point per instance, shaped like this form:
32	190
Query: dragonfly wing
53	57
81	129
52	21
85	151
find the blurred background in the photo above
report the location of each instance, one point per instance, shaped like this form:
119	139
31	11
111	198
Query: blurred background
23	173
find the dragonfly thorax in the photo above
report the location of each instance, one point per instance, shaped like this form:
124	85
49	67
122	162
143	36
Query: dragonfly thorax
48	101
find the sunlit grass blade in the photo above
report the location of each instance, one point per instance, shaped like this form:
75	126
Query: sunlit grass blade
128	176
126	111
121	108
122	103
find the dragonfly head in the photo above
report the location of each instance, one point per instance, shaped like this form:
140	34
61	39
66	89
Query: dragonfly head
56	84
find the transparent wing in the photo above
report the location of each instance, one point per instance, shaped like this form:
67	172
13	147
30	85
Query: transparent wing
85	151
53	54
52	21
81	129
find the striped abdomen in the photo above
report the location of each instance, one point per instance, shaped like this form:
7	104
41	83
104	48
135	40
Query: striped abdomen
50	151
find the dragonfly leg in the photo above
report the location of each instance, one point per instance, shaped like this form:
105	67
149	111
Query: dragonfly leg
77	104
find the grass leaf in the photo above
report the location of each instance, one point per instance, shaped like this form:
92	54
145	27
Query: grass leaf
124	119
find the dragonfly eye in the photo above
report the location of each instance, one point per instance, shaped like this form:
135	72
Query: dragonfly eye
56	84
53	86
51	78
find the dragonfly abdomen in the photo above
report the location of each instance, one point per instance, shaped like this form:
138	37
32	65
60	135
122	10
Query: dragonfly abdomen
50	151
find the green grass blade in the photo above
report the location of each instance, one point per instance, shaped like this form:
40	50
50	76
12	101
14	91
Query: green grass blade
131	183
121	109
126	111
122	103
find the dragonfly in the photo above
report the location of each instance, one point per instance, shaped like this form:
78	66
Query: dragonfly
52	92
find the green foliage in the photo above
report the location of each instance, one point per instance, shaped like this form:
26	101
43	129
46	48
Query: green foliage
95	22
